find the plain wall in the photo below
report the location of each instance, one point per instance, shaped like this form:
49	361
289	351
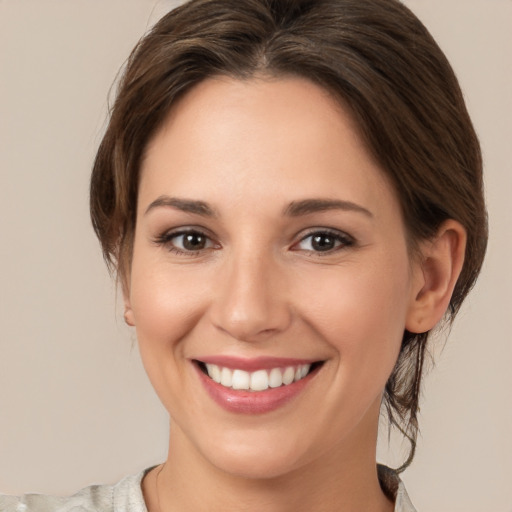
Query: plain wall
75	405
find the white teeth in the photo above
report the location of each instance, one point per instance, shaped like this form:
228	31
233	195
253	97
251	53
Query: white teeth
226	377
275	379
259	380
214	372
288	375
241	380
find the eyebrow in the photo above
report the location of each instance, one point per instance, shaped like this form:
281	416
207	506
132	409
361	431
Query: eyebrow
307	206
185	205
294	209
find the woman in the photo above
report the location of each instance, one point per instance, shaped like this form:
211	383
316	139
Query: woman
290	193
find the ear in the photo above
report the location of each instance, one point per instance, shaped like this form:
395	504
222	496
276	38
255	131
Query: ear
128	312
437	270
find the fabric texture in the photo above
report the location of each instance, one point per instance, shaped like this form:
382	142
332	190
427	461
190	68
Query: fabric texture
126	496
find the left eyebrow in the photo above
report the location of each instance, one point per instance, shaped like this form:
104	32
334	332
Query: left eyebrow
307	206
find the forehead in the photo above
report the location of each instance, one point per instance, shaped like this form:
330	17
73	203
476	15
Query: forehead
260	138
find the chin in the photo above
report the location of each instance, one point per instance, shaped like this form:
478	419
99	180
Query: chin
257	467
255	460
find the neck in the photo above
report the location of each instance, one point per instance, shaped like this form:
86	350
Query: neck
343	479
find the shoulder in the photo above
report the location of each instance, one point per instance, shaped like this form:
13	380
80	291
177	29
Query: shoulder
95	498
125	496
403	502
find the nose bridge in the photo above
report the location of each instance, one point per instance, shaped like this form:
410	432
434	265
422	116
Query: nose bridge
251	301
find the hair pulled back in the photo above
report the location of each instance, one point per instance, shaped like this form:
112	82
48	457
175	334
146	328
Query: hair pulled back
375	57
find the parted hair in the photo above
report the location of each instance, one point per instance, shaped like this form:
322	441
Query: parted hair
377	59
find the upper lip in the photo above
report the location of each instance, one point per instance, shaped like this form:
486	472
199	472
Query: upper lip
253	364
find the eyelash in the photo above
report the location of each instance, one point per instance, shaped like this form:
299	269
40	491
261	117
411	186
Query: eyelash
342	239
166	238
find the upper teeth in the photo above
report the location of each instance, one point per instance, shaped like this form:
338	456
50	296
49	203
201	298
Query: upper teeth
258	380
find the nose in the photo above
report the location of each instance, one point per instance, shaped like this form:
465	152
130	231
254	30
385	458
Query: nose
251	302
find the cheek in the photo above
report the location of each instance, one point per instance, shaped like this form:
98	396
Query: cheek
166	305
361	316
360	312
164	302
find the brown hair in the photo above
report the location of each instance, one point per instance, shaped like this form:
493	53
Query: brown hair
377	58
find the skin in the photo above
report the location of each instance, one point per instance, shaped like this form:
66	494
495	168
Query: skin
250	149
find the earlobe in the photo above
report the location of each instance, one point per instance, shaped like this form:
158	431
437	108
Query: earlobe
128	316
440	266
128	312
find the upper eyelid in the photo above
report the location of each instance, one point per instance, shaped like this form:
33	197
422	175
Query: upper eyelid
183	230
324	230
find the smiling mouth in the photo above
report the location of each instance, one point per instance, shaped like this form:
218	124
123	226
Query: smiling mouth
259	380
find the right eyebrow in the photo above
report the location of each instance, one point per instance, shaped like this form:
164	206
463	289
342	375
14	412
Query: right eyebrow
185	205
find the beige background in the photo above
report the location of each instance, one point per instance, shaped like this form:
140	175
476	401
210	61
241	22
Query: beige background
74	403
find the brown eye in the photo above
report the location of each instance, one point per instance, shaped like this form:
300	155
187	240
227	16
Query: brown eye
186	242
324	241
193	241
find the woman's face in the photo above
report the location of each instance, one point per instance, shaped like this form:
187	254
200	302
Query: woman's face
268	244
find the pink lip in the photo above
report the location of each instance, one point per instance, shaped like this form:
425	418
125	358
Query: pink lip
253	402
253	364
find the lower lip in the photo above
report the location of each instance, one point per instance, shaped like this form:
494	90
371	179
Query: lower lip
253	402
